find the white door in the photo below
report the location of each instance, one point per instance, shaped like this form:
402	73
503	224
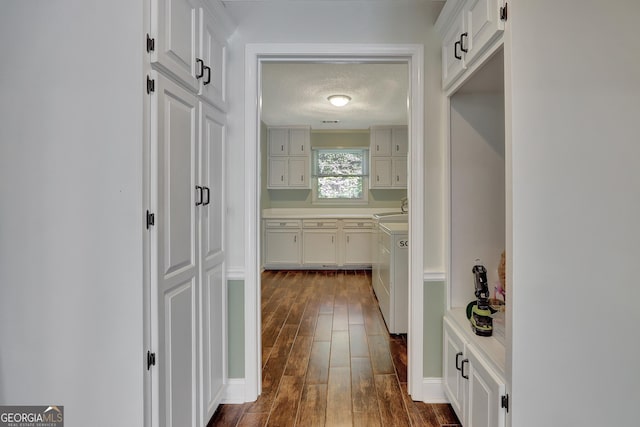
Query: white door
484	395
452	55
400	141
381	172
399	175
214	53
174	24
381	142
282	247
278	141
453	354
298	172
483	25
213	292
357	247
278	172
319	247
299	142
174	254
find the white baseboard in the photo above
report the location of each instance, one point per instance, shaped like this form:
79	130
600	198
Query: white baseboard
433	391
234	392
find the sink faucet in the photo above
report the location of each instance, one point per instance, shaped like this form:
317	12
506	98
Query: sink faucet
404	207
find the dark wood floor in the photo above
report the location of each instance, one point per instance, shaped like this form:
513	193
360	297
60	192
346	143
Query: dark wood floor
328	359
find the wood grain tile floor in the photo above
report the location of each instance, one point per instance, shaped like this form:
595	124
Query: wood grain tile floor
328	359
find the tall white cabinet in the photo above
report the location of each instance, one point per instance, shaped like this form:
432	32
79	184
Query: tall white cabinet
187	118
475	373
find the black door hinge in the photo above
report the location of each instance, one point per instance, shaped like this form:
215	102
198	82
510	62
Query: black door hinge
151	360
151	219
151	84
151	44
503	13
504	402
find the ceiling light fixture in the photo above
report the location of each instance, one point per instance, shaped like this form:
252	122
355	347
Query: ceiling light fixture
339	100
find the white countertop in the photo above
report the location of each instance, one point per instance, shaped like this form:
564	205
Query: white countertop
395	227
325	212
490	347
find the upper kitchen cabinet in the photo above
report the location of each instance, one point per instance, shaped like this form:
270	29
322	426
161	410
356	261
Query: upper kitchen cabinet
468	28
213	52
187	41
289	150
388	157
176	31
289	141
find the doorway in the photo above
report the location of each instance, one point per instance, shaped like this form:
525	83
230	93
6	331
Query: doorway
255	57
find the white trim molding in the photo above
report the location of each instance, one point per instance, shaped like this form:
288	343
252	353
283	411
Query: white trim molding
235	273
234	391
255	55
434	276
433	390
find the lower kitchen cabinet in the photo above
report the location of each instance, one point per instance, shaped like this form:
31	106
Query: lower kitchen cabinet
317	243
356	247
282	243
319	248
474	388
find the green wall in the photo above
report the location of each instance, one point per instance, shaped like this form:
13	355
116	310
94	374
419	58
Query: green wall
235	328
433	308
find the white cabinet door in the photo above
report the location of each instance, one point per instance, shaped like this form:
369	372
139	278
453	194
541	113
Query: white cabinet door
484	393
453	354
278	141
213	291
299	142
399	172
174	257
381	172
298	172
357	247
319	247
282	247
381	141
483	25
174	25
214	54
399	141
453	63
278	172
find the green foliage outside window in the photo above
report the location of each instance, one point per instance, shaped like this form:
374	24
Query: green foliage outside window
340	173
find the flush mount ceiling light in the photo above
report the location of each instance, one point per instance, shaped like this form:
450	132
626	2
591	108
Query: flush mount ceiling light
339	100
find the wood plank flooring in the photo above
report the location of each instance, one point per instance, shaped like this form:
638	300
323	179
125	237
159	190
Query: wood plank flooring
328	359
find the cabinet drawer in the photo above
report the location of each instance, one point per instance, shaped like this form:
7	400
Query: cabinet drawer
320	223
282	223
357	223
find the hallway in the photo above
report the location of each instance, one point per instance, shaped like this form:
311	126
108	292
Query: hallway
328	359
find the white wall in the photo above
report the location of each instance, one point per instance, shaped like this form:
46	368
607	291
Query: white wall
71	208
477	190
337	22
576	209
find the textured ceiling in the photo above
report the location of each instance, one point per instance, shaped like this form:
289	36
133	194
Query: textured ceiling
296	94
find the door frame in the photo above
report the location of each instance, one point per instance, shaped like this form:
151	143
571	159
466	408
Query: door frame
255	55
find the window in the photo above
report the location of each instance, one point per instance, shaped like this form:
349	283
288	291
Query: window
340	175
